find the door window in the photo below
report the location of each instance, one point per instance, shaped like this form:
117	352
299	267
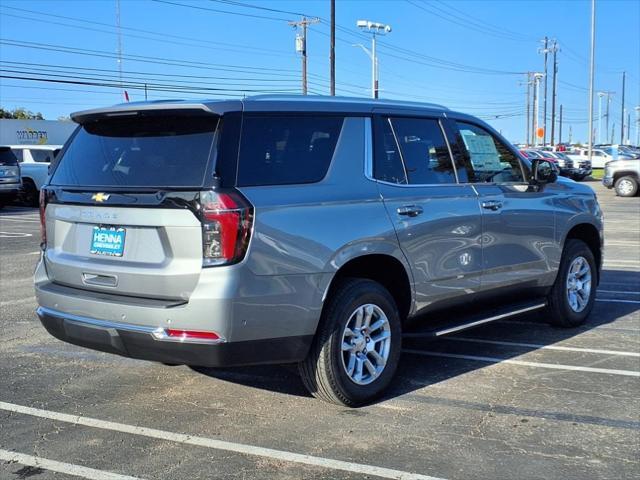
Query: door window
412	151
490	161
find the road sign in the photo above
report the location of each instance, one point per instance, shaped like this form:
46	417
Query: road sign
540	132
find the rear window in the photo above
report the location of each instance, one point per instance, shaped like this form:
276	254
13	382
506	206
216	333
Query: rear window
280	150
7	156
161	151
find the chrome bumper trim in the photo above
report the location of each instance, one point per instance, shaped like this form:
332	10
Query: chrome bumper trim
155	332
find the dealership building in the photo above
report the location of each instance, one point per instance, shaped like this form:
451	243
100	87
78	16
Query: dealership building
35	132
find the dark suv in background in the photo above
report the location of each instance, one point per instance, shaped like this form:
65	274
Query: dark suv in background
302	229
10	181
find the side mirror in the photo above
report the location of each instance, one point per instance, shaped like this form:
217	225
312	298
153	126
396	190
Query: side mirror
543	171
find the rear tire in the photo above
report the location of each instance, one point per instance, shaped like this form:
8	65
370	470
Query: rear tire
573	294
29	193
626	186
350	364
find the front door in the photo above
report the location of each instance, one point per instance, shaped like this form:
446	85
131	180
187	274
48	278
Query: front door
518	221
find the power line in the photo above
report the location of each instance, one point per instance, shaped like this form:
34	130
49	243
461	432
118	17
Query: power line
198	7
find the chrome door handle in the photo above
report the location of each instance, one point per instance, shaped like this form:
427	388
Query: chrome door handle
492	205
410	210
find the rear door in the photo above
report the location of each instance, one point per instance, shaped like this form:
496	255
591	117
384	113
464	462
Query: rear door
437	220
518	221
120	216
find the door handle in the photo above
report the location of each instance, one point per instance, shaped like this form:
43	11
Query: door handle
410	210
492	205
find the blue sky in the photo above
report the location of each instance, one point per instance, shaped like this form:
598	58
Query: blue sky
468	55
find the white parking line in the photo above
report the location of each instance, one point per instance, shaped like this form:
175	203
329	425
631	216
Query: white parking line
18	301
15	235
219	444
619	292
553	366
614	300
544	347
28	220
61	467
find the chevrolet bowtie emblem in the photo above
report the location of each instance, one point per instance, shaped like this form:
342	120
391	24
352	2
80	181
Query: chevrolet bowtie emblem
100	197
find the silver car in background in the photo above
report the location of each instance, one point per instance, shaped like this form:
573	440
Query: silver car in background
303	230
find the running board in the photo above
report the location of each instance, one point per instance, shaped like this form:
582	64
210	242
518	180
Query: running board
477	320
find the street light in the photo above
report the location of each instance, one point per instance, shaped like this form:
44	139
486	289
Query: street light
375	29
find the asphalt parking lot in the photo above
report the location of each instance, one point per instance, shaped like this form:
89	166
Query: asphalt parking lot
511	400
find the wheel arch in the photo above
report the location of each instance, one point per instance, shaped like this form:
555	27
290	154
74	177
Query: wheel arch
589	234
383	268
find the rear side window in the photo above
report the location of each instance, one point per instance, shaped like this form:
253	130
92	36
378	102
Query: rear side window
424	151
281	150
155	151
387	165
42	156
8	156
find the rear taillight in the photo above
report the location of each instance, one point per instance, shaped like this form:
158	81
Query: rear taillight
43	220
186	336
226	227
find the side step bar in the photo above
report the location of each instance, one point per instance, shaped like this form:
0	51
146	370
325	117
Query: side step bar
477	320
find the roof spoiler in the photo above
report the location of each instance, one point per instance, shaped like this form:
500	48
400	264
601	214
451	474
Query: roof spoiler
132	110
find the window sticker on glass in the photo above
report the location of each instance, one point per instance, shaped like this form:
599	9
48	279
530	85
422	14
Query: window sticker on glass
485	155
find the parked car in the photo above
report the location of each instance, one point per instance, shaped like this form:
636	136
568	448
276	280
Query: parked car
309	230
575	170
34	162
623	175
599	156
10	182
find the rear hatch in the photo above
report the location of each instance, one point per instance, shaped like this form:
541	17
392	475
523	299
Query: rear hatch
121	205
9	167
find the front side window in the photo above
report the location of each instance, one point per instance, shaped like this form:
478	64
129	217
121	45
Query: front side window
490	161
286	149
412	151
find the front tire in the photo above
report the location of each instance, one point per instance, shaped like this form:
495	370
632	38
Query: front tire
573	294
626	186
357	346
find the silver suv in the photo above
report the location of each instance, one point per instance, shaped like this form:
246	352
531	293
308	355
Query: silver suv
302	230
623	176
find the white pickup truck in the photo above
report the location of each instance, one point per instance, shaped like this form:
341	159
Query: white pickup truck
34	167
599	156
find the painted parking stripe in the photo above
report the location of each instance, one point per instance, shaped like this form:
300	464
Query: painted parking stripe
15	235
28	220
620	292
18	301
544	347
215	444
553	366
61	467
586	328
615	300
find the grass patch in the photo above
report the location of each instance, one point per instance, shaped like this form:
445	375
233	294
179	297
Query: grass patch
597	174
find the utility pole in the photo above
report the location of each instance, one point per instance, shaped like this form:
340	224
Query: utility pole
637	109
628	129
545	50
536	106
613	132
624	74
560	129
119	50
607	114
600	95
570	135
301	46
591	74
375	29
527	104
554	50
332	53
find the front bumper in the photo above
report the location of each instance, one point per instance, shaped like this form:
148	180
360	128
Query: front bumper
607	182
8	189
138	342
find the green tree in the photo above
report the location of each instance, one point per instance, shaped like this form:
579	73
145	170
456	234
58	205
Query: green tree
20	114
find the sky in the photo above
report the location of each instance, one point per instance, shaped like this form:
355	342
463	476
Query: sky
468	55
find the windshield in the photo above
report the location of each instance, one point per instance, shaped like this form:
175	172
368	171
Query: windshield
167	151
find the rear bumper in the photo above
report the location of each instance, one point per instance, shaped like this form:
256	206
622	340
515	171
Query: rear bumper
139	342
